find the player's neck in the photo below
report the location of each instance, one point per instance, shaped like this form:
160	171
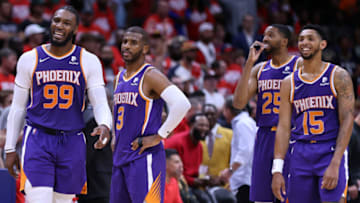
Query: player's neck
313	65
133	67
280	58
59	50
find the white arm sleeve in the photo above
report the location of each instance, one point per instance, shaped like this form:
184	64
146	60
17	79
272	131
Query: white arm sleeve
16	116
92	70
178	106
98	99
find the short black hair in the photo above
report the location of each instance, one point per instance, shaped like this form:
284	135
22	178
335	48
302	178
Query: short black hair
317	28
284	30
193	118
5	52
170	152
209	105
140	30
73	11
229	104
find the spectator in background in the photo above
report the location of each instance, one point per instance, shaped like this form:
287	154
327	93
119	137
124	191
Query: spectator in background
104	17
216	155
8	28
20	10
98	162
174	54
207	51
188	67
196	14
174	170
345	53
197	100
177	14
247	34
87	24
92	43
6	97
354	162
160	21
190	150
242	147
36	15
109	66
34	36
158	49
8	59
211	95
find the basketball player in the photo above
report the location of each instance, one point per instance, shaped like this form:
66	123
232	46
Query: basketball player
317	106
140	92
56	76
264	79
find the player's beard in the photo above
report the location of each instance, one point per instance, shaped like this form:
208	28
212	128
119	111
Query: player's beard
63	43
198	134
134	57
311	55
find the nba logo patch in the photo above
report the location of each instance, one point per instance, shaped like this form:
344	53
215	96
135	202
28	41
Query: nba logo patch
135	81
73	61
286	70
324	81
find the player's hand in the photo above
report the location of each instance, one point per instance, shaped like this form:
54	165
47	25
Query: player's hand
278	186
255	50
104	137
353	192
331	177
145	142
225	175
10	162
112	144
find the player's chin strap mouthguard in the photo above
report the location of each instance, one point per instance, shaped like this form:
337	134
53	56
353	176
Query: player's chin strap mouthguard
140	143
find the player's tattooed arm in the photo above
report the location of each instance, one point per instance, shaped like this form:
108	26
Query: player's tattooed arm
246	87
346	100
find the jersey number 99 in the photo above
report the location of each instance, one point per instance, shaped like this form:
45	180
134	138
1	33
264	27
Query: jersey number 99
52	93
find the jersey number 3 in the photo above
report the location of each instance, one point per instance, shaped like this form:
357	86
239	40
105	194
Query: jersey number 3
120	118
53	92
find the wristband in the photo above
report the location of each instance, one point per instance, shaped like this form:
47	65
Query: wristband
277	166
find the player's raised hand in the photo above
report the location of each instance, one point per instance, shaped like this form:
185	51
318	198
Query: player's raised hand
255	50
331	177
104	137
10	162
145	142
278	186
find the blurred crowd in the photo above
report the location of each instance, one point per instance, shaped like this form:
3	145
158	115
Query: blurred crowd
201	45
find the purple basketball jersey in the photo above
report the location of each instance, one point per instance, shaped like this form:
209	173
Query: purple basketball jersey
269	81
314	107
135	115
58	91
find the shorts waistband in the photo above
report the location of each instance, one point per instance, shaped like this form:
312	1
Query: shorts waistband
52	131
313	141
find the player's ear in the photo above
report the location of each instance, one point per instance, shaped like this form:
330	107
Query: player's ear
284	42
323	44
146	49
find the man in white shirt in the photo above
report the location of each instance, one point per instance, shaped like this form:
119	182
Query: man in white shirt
242	147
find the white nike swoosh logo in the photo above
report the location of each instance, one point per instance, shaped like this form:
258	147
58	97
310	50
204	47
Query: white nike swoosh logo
265	69
44	59
297	87
292	141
